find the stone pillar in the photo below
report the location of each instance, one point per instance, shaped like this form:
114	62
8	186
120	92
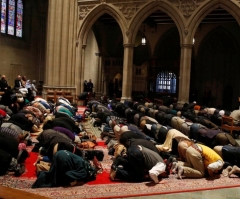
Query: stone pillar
185	73
99	76
127	73
61	48
82	67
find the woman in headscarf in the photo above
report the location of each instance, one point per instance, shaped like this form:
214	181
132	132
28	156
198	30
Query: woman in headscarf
66	169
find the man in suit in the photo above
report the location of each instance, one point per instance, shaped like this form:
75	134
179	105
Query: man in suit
90	86
3	83
17	82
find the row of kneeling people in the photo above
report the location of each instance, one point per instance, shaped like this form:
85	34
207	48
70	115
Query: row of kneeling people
140	141
59	139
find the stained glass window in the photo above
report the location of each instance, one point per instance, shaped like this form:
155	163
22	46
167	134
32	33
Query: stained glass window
11	17
3	16
19	18
166	82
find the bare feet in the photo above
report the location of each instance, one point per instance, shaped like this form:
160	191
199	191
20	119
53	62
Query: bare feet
234	170
38	159
226	171
174	167
180	171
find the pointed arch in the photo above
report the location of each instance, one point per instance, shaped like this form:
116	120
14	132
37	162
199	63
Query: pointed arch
172	48
91	18
216	63
151	7
197	18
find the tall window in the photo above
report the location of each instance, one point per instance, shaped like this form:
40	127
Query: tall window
166	82
11	17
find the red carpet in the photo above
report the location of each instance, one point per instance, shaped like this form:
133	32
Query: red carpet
102	187
31	170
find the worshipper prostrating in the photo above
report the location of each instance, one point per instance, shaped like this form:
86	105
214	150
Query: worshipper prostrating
66	169
197	159
138	160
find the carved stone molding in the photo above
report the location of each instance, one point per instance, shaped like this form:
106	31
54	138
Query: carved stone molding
187	7
189	46
128	45
128	9
237	1
128	32
84	10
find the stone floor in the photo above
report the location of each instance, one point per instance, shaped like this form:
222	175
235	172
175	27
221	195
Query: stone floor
228	193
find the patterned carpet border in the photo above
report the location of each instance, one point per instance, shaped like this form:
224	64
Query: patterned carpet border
116	190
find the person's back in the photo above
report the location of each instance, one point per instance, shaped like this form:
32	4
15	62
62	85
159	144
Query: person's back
236	116
134	142
151	158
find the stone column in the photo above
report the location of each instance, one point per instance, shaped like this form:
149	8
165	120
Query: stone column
185	72
100	79
82	67
127	73
99	75
61	49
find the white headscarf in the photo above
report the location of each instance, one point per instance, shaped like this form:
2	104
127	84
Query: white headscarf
28	84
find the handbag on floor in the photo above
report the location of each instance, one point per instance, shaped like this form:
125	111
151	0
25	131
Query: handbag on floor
89	154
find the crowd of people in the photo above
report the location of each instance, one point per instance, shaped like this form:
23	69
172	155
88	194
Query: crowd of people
151	141
62	160
147	141
27	87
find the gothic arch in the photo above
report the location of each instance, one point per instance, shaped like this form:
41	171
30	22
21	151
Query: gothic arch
196	19
231	38
217	61
151	7
171	31
91	18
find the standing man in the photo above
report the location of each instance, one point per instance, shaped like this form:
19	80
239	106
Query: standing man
85	88
90	86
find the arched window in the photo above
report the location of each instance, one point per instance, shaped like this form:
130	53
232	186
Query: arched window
166	82
12	17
